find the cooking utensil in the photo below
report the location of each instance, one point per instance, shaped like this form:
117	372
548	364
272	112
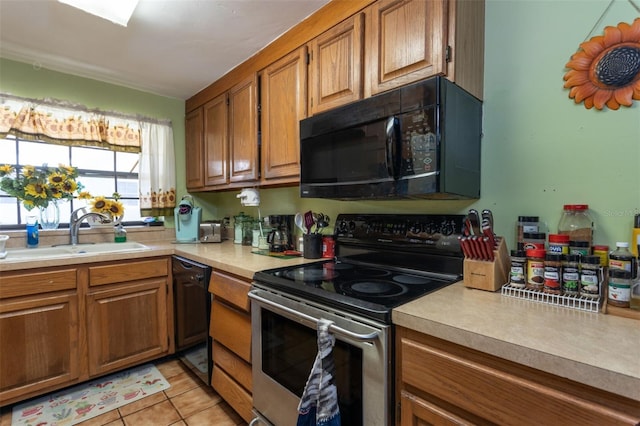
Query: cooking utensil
299	221
309	221
322	221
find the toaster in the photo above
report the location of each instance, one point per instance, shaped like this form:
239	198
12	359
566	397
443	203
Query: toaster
211	232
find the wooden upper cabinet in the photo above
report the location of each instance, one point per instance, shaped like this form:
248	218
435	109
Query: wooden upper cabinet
284	101
405	41
243	131
216	141
194	160
336	65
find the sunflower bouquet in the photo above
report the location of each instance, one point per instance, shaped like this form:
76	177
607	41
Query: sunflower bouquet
39	186
101	204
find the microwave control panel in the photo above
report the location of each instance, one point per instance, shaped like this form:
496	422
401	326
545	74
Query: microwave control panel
419	143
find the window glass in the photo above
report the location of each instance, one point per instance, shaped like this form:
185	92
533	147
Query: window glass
7	151
37	154
127	162
101	172
8	211
92	158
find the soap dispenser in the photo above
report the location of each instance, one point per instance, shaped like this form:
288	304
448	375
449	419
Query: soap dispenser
120	234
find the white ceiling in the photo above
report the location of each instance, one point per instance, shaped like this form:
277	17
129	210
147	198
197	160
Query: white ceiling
173	48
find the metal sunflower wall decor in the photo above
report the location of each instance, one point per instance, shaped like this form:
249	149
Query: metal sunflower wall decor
606	69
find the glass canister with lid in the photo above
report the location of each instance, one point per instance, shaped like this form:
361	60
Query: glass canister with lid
576	222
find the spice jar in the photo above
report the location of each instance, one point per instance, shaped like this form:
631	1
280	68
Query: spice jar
525	224
576	222
559	243
534	240
602	252
535	269
518	273
571	275
552	273
591	277
619	293
579	247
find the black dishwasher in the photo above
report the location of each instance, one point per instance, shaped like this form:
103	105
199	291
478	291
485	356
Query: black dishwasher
192	310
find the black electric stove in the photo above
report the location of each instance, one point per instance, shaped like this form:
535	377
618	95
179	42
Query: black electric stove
382	261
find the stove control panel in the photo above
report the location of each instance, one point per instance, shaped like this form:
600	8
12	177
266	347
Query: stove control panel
439	231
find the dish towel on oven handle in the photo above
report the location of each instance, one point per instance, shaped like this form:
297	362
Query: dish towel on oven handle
319	403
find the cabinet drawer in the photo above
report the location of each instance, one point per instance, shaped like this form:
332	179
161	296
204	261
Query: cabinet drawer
15	284
232	328
231	289
129	271
237	368
503	392
238	398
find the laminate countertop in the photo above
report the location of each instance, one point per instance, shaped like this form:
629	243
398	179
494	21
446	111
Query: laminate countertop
225	256
592	348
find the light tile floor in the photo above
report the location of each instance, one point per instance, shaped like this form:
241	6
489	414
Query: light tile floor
187	402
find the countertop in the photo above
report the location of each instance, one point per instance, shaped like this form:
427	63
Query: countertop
592	348
599	350
227	256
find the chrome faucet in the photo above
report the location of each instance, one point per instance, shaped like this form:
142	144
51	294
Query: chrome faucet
75	222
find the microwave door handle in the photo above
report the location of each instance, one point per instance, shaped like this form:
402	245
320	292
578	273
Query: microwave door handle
334	328
392	130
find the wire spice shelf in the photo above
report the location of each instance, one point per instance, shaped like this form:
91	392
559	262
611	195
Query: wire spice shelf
573	302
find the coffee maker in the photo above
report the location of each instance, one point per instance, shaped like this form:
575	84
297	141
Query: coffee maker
187	220
280	238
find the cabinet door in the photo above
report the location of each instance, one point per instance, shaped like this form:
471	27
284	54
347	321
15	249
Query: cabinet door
126	324
243	131
336	65
216	141
406	42
194	159
39	344
284	104
232	328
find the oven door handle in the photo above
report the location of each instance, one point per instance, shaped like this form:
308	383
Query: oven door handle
334	328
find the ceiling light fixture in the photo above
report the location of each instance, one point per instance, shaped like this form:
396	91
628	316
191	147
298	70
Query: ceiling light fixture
116	11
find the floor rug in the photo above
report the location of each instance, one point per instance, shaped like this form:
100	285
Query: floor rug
82	402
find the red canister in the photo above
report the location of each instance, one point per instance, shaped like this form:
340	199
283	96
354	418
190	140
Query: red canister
328	246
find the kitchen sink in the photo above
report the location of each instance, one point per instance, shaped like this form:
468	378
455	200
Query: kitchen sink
62	251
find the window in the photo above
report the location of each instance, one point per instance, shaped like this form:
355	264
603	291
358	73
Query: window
102	172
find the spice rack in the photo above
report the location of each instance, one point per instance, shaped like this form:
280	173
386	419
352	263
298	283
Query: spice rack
574	302
488	275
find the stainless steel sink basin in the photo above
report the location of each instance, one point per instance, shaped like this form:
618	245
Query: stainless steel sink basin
62	251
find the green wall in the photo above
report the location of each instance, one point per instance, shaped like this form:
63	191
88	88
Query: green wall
540	150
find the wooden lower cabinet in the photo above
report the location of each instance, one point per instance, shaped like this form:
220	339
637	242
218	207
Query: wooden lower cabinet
39	332
441	383
39	340
63	325
230	329
126	325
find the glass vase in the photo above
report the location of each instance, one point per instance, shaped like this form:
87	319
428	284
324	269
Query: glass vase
50	216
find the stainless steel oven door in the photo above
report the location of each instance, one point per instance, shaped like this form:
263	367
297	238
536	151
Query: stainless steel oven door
284	346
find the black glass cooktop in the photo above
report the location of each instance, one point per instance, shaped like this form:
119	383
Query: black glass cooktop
368	291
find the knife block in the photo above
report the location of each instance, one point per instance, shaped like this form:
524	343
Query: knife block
488	275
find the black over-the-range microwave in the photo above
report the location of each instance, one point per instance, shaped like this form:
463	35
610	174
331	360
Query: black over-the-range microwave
419	141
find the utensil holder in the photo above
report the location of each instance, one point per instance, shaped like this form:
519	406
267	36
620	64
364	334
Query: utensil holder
488	275
312	244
